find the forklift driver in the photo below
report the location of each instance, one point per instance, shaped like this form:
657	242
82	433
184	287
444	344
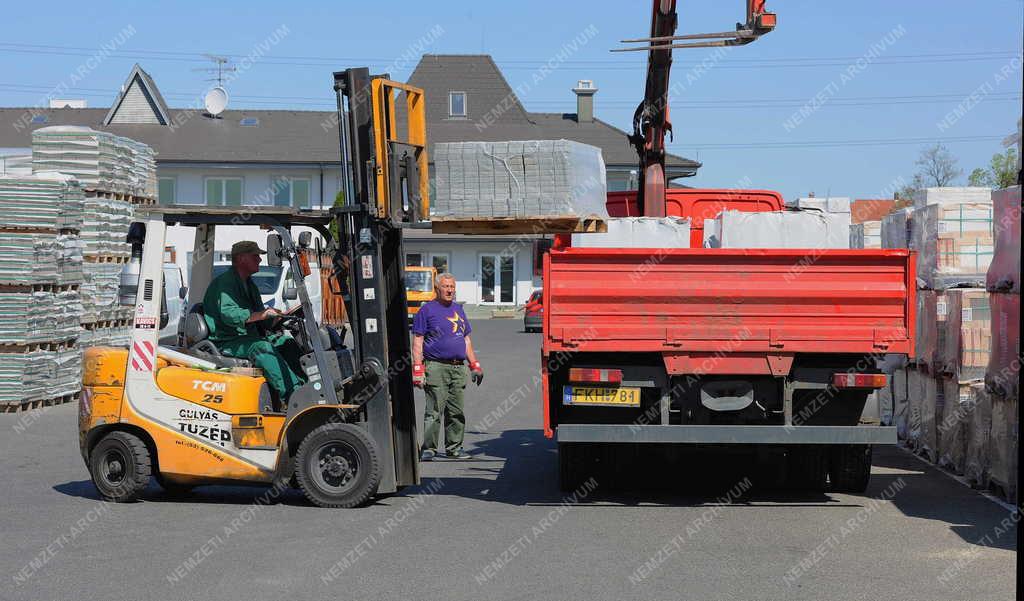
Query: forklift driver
238	323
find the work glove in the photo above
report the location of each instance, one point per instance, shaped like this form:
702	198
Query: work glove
419	375
476	372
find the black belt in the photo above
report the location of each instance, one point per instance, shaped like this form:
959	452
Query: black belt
448	361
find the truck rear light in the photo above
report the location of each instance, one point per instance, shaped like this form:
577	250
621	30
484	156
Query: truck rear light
586	374
845	380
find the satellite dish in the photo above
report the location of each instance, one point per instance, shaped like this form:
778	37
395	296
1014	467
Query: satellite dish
216	101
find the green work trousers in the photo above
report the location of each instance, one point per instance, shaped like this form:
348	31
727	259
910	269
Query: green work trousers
444	388
277	355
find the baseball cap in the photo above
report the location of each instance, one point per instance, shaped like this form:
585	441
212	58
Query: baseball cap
246	247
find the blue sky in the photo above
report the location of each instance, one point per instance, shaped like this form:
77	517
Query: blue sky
741	116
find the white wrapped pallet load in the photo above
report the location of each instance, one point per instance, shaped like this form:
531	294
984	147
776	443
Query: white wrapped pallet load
952	195
979	426
638	232
957	407
916	391
1003	441
1004	271
867	234
105	226
968	338
954	244
88	155
533	178
100	291
900	403
932	404
896	227
831	204
781	229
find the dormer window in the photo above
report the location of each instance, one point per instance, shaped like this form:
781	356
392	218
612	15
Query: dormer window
456	104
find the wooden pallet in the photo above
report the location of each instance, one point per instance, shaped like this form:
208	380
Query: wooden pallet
107	323
135	199
548	224
25	288
21	406
105	259
60	345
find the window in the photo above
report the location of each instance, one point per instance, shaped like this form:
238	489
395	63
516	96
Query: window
167	190
440	262
456	104
39	119
413	260
224	191
290	191
249	122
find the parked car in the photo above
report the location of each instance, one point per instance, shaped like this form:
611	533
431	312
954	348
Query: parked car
533	312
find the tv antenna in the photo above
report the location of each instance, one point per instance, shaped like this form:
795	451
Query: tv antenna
222	67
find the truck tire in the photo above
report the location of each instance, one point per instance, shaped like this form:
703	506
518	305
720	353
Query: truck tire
850	468
570	466
807	468
337	465
120	467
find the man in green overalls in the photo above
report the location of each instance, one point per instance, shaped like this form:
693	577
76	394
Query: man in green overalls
238	322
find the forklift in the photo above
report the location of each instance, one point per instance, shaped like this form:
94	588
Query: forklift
190	416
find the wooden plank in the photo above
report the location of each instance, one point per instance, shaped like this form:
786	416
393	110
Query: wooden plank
548	224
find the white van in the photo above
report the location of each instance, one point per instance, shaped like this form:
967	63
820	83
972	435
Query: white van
272	282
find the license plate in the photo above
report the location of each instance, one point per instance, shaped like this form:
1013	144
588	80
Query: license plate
587	395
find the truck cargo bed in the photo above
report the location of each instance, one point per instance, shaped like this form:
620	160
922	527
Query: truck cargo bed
676	301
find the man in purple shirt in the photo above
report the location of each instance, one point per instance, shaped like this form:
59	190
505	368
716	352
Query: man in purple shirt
440	348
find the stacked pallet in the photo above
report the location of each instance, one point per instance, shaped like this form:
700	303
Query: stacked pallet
866	234
961	393
117	173
40	276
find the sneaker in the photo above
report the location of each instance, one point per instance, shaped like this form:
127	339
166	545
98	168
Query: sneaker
427	455
459	455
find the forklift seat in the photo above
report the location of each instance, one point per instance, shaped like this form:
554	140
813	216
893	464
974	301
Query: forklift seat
197	341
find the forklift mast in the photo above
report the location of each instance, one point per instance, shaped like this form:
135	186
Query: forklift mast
385	187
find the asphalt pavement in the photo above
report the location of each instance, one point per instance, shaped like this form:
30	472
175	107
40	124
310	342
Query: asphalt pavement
495	527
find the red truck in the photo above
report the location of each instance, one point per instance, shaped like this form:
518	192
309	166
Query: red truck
699	346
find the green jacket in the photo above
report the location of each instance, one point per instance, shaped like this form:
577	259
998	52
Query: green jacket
228	303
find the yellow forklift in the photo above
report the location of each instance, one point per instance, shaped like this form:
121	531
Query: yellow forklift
189	415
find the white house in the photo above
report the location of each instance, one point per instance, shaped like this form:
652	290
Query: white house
291	158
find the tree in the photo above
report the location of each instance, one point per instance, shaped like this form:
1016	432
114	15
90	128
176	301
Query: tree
937	166
1001	172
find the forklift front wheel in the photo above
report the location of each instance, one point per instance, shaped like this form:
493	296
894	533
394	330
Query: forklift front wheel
120	467
337	465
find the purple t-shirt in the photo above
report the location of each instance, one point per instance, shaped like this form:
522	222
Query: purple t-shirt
444	330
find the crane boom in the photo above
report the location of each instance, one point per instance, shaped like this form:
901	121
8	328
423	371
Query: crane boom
651	119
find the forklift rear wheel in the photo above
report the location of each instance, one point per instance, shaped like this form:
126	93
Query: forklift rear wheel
337	465
120	467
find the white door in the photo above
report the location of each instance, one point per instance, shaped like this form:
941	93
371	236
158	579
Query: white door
497	280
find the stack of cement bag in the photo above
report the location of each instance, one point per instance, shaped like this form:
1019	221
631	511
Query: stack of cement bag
50	201
532	178
807	229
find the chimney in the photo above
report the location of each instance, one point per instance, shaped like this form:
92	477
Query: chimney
585	91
